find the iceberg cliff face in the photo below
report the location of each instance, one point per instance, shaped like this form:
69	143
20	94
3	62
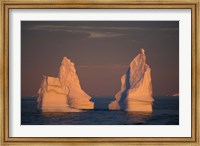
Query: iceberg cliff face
63	94
136	87
77	98
51	96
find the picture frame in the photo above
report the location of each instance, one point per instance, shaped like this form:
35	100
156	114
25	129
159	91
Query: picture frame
6	5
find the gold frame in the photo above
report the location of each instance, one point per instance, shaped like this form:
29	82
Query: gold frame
170	4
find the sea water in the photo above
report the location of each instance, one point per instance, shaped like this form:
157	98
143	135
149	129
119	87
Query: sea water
165	112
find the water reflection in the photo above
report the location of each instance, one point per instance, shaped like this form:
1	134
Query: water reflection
166	112
100	117
138	117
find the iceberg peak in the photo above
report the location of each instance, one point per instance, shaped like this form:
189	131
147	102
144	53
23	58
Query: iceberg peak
142	50
66	61
136	87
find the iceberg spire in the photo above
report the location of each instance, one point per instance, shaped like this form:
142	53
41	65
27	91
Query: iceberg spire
143	51
69	80
63	93
136	87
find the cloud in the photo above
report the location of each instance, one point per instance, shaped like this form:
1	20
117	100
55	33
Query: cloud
97	31
94	28
104	35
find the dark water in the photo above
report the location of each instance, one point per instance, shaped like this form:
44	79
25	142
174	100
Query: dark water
165	112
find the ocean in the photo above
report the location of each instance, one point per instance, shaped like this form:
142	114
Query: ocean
165	112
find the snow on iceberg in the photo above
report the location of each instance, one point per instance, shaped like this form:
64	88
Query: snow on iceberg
63	93
136	87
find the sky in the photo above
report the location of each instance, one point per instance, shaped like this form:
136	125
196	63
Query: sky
101	52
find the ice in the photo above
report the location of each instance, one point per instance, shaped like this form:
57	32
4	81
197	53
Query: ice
63	93
136	87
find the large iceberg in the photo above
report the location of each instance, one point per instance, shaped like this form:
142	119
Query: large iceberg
63	93
136	87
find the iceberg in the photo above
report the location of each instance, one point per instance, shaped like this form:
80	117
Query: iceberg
136	87
51	96
68	78
176	94
63	93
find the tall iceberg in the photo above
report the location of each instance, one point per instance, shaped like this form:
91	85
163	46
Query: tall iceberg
136	87
63	93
